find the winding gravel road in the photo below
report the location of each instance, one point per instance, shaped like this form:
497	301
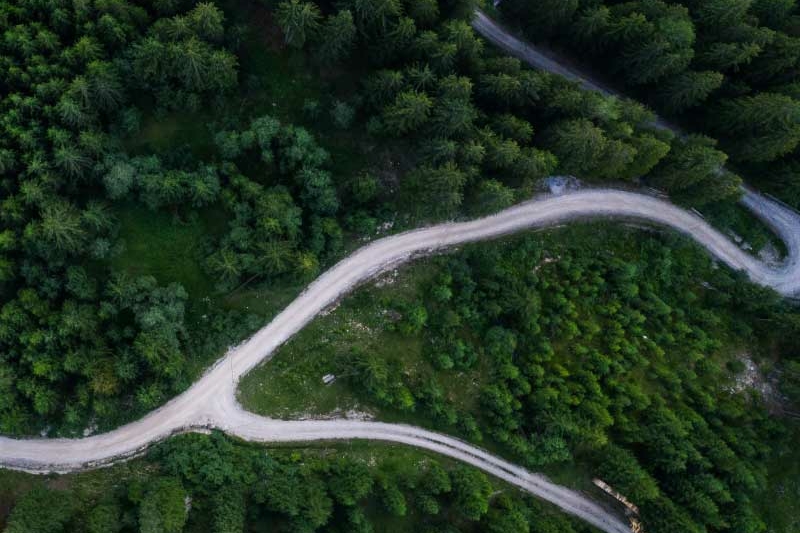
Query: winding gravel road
211	402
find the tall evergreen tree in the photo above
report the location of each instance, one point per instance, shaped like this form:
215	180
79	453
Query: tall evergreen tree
299	21
759	128
689	89
337	36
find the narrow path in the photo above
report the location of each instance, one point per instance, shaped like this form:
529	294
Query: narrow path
211	402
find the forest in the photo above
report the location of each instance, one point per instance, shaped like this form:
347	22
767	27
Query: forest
621	357
210	484
727	68
172	173
85	341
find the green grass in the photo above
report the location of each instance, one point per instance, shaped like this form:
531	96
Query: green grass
290	385
161	245
171	249
162	135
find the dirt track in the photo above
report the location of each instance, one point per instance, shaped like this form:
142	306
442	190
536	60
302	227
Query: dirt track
211	401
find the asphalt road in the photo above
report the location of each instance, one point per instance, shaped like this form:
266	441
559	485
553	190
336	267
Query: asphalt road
211	401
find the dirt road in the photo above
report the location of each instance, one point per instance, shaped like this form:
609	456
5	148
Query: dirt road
211	401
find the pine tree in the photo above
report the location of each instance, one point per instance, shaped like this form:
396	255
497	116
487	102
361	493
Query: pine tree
410	110
578	145
299	21
337	36
762	127
773	13
689	89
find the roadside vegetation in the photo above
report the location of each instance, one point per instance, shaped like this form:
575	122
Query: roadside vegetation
211	484
727	68
619	350
172	173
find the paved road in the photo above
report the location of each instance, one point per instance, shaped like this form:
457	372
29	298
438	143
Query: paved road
211	402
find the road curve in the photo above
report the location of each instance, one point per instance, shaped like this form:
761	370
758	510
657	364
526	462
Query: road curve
211	401
783	221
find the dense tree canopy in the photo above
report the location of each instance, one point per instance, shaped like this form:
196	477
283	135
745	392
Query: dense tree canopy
727	67
609	359
614	350
210	483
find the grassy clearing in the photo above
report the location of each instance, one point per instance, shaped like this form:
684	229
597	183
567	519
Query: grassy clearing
162	135
161	245
290	386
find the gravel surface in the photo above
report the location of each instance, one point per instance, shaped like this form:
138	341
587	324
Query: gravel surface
211	402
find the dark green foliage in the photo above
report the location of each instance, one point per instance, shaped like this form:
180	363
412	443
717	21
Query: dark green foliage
409	111
505	516
693	172
41	511
146	317
162	509
214	484
546	17
471	491
81	342
762	127
689	89
611	359
437	191
727	66
620	468
349	481
338	33
474	115
299	21
775	14
492	196
105	518
229	511
579	147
